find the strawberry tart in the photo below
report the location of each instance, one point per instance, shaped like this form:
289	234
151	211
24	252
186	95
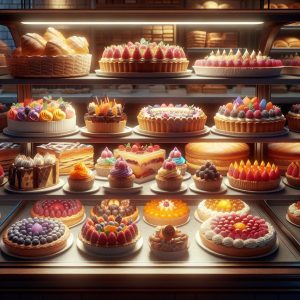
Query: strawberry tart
291	64
293	213
143	57
293	118
238	235
293	174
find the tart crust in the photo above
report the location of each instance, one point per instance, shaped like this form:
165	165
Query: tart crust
292	180
293	121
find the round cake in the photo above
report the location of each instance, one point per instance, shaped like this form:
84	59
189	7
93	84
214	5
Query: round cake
216	207
249	116
293	174
238	235
70	212
166	212
41	116
254	177
291	64
114	207
293	213
143	57
36	237
170	118
220	154
293	118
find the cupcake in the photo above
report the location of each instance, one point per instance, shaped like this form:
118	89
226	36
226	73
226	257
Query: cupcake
105	117
121	175
169	177
207	178
105	163
81	178
176	156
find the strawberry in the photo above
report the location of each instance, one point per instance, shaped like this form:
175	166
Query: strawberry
100	220
126	53
136	54
110	218
112	239
250	176
58	214
89	222
121	238
148	54
277	172
150	149
128	235
52	213
295	171
94	237
121	147
236	173
257	176
177	53
272	175
136	230
156	147
159	54
102	240
243	175
89	233
131	230
169	54
135	148
117	53
265	176
109	53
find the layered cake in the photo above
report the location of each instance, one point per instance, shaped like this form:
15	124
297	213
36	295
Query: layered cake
207	178
249	116
69	154
105	116
70	212
34	237
28	173
168	239
114	207
216	207
220	154
167	211
105	163
143	57
237	65
293	174
171	118
42	116
238	235
253	177
144	160
293	213
179	160
293	117
8	152
81	178
121	175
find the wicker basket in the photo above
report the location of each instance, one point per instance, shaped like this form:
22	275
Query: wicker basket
50	66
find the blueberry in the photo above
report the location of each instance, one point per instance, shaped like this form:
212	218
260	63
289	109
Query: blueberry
271	113
27	242
118	219
35	242
43	240
241	115
49	239
54	237
21	241
15	239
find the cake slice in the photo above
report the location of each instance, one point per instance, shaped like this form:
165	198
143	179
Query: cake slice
8	153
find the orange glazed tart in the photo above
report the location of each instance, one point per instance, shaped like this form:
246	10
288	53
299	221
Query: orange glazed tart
293	173
254	177
294	212
293	117
81	178
168	211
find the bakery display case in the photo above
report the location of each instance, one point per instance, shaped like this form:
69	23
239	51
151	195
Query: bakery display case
126	102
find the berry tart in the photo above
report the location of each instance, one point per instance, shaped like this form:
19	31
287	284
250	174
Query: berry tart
237	65
105	116
70	212
293	118
179	160
171	118
291	64
293	213
253	177
215	207
35	237
81	178
105	163
293	174
249	116
167	211
238	235
114	207
121	175
143	57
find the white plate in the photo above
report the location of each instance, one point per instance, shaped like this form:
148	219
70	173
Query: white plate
12	133
93	190
135	189
187	176
38	191
278	189
169	255
69	244
144	74
166	223
197	217
202	132
290	221
291	70
127	131
214	130
101	178
109	251
80	222
200	244
284	180
222	190
154	188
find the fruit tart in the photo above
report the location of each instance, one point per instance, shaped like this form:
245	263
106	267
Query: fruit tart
293	118
293	174
81	178
105	163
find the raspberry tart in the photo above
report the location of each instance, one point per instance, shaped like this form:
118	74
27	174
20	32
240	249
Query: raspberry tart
179	160
105	163
238	235
293	174
254	177
70	212
293	213
293	118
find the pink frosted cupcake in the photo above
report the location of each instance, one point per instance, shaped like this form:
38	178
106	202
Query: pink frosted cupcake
179	160
105	163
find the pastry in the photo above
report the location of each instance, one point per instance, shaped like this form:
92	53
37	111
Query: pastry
293	174
249	116
56	47
106	116
293	213
8	153
169	177
34	237
170	118
144	160
79	44
207	178
70	212
30	174
166	211
238	235
177	157
216	207
121	175
253	177
220	154
143	57
33	44
293	117
114	207
105	163
51	33
81	178
69	154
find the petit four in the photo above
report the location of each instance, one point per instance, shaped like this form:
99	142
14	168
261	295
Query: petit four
293	117
121	175
177	157
8	152
105	163
293	174
81	178
293	213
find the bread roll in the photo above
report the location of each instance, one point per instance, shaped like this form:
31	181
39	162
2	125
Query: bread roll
280	44
291	39
282	6
225	6
57	47
210	5
33	44
17	52
52	33
79	44
295	44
